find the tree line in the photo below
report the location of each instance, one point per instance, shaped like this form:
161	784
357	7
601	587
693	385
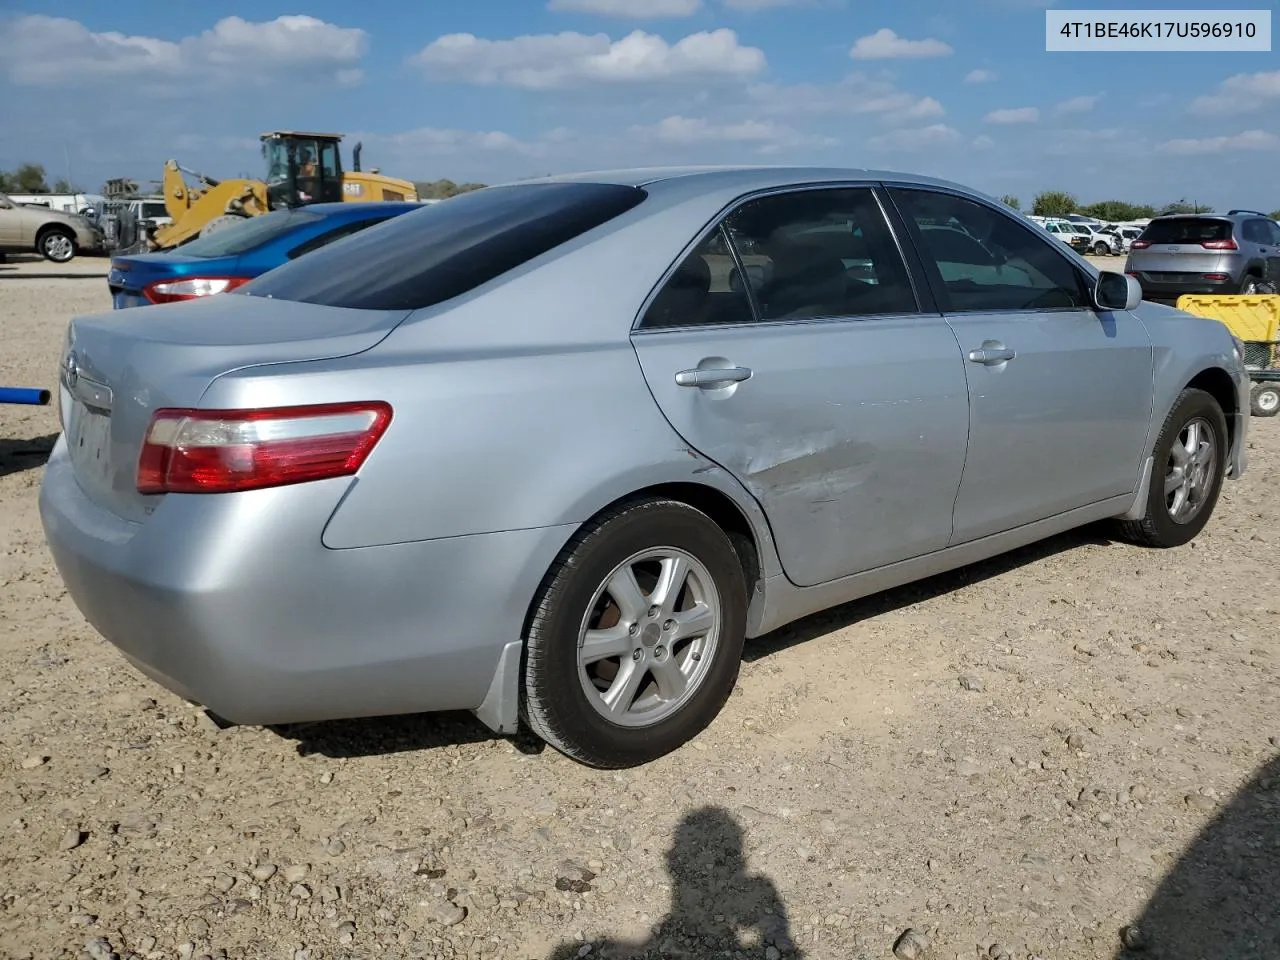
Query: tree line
31	178
1059	203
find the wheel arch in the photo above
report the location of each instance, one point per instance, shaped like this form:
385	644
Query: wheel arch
48	228
1219	384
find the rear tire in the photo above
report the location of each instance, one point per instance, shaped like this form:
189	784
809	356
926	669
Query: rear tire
1191	456
1100	249
57	245
1251	285
619	671
1264	399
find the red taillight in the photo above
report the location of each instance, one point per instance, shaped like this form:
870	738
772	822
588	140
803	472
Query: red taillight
221	451
190	288
1139	244
1217	276
1219	245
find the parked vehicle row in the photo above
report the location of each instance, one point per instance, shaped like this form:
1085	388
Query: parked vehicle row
552	451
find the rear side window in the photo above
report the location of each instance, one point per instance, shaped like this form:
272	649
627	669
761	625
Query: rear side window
238	238
1257	231
432	255
1187	230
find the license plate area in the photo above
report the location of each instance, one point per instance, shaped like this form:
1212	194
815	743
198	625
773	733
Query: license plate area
89	444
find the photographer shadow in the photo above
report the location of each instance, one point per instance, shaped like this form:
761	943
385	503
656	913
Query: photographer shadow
714	901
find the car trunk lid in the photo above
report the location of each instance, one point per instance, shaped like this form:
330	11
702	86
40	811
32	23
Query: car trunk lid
117	369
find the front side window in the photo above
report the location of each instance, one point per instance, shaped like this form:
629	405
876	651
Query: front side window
995	263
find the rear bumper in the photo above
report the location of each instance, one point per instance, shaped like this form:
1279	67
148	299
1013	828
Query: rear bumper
234	603
1170	291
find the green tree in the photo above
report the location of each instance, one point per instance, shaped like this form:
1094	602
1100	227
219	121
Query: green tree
1012	202
27	178
1275	214
1114	211
443	189
63	185
1183	207
1053	203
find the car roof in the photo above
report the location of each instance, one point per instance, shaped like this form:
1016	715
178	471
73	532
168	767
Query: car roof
357	210
746	177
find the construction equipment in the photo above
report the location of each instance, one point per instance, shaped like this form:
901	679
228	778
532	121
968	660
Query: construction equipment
1254	319
302	168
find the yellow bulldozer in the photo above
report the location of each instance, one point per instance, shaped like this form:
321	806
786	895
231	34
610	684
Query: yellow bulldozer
302	168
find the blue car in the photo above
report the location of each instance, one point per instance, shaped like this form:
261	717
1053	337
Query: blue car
236	254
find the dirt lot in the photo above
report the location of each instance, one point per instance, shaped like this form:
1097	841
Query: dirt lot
1016	760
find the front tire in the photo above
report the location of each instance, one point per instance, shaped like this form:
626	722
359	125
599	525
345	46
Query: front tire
635	638
1100	249
1191	455
57	245
1264	399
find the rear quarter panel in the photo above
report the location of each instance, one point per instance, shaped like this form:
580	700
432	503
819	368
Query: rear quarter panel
519	406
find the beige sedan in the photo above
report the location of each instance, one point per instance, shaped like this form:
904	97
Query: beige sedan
55	235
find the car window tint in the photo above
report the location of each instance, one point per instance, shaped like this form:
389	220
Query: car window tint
705	289
996	263
820	253
1187	230
346	230
446	249
237	238
1257	231
1274	229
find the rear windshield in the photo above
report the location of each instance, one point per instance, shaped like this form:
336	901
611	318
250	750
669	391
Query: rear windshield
1187	230
241	237
448	248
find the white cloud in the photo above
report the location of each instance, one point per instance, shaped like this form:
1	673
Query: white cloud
1248	140
629	9
983	142
767	135
857	93
551	61
46	51
765	4
979	76
916	139
1013	115
1242	93
884	44
1078	104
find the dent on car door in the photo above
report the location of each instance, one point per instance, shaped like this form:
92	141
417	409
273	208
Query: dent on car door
821	384
1060	394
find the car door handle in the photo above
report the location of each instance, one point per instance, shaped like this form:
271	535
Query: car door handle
709	377
991	353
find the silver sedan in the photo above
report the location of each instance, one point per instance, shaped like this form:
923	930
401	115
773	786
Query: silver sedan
552	451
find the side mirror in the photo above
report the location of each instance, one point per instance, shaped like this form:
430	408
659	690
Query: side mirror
1116	291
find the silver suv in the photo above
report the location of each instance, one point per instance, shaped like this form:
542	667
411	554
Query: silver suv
1233	252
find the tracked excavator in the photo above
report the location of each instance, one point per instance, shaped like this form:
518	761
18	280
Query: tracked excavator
302	168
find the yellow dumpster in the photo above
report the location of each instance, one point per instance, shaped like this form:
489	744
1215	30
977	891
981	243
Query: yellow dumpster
1254	319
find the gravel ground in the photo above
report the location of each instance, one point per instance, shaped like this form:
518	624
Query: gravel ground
1017	760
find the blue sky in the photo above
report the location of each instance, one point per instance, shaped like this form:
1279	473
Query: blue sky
491	90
